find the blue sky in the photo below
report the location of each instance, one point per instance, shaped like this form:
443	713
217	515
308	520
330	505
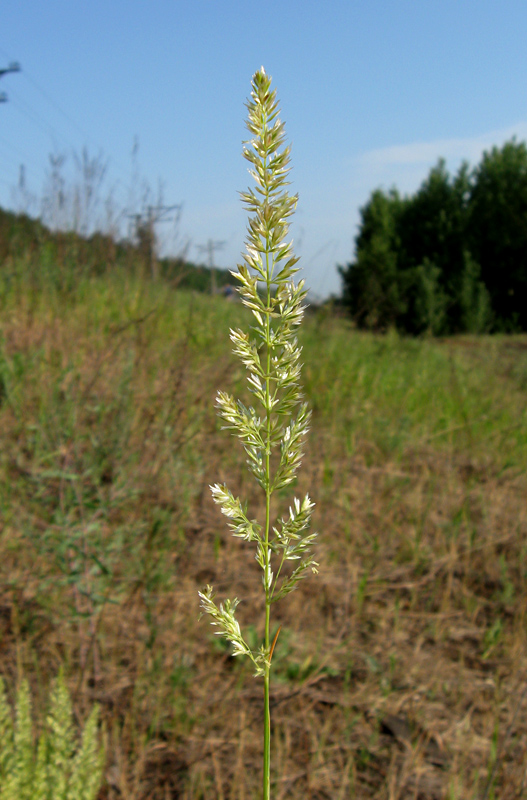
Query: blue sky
372	94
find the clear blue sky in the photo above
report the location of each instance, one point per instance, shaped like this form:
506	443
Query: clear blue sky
372	93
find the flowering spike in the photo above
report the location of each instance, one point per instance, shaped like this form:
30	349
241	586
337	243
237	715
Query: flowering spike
273	435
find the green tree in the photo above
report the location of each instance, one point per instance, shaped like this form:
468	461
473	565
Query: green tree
426	300
474	298
450	258
371	288
410	257
498	231
432	232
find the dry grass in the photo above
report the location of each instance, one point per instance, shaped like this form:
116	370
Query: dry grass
400	670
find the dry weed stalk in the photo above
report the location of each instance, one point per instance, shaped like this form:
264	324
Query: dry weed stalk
270	351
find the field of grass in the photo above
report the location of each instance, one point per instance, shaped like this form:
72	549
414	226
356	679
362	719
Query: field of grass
401	669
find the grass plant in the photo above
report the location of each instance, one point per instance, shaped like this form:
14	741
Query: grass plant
271	353
58	767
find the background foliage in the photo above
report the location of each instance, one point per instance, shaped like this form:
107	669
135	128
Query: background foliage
451	258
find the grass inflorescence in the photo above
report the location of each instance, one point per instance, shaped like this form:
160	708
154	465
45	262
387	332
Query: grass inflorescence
273	442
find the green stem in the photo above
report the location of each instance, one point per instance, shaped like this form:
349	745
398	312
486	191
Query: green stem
267	722
267	676
268	491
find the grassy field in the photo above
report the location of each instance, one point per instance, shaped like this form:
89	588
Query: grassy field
401	669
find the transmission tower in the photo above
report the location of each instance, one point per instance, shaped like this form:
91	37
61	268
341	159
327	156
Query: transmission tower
210	249
14	66
144	229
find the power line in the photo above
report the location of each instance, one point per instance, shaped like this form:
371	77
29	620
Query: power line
29	112
88	138
56	106
124	181
48	97
41	123
28	161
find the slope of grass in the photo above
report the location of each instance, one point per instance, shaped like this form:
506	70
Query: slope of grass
400	669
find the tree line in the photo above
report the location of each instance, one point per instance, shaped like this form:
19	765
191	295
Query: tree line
30	248
451	258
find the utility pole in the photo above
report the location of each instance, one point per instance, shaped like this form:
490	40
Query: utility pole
14	66
144	228
210	248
